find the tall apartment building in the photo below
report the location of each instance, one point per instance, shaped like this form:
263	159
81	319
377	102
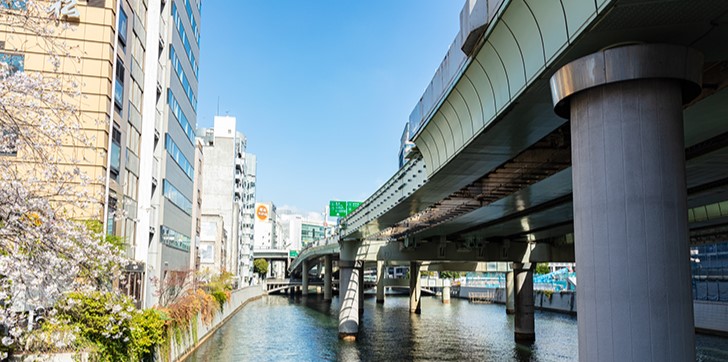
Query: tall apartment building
224	190
138	68
167	175
109	40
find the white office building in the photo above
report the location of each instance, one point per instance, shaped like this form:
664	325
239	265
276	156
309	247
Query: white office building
223	191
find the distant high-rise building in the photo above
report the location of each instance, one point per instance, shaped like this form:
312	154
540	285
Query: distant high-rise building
224	190
248	222
267	227
301	231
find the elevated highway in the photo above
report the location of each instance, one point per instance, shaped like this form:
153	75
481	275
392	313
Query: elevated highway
575	130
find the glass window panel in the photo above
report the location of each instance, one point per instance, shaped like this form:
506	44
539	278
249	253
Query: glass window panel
123	21
177	198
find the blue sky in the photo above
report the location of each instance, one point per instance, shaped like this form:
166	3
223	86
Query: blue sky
321	88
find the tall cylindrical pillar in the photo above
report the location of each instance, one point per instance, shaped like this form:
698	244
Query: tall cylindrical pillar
415	285
510	307
446	294
381	274
327	277
524	324
304	277
349	286
631	237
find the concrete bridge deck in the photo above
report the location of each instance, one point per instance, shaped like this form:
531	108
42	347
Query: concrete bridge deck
576	130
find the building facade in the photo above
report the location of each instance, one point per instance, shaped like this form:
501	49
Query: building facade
166	182
302	232
109	40
267	227
196	207
213	242
224	191
248	221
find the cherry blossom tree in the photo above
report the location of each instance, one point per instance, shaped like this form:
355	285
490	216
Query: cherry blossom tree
46	250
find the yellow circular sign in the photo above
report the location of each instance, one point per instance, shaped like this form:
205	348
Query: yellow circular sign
262	212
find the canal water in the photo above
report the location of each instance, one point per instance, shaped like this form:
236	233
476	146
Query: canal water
281	328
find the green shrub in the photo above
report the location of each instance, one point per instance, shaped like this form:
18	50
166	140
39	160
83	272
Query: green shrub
147	331
220	297
111	325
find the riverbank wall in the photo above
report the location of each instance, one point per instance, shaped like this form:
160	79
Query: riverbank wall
710	317
564	302
185	342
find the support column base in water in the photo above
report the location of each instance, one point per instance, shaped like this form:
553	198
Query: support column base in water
348	337
525	338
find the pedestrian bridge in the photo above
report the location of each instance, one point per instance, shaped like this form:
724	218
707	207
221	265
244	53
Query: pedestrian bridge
296	286
591	131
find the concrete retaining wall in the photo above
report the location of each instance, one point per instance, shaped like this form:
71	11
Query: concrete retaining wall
191	339
710	317
557	301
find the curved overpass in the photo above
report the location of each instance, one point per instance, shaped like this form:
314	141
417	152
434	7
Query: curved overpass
620	181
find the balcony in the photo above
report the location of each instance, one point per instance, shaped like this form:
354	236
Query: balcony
157	124
153	220
155	171
160	80
162	34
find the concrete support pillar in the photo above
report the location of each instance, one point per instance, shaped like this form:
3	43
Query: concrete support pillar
304	277
381	274
628	154
349	293
349	286
327	277
446	294
415	285
510	308
524	325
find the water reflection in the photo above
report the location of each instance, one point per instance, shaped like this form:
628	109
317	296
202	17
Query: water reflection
280	328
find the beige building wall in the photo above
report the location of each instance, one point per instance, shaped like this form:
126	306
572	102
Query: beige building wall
93	50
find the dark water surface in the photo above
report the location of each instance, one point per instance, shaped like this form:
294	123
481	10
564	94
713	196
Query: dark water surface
279	328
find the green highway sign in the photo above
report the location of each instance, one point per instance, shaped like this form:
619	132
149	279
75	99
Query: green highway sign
351	206
292	253
337	208
342	208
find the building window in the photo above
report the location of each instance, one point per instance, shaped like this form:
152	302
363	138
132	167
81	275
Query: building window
111	216
14	4
175	239
115	162
181	118
123	25
119	88
177	198
11	63
183	35
179	158
8	142
177	67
